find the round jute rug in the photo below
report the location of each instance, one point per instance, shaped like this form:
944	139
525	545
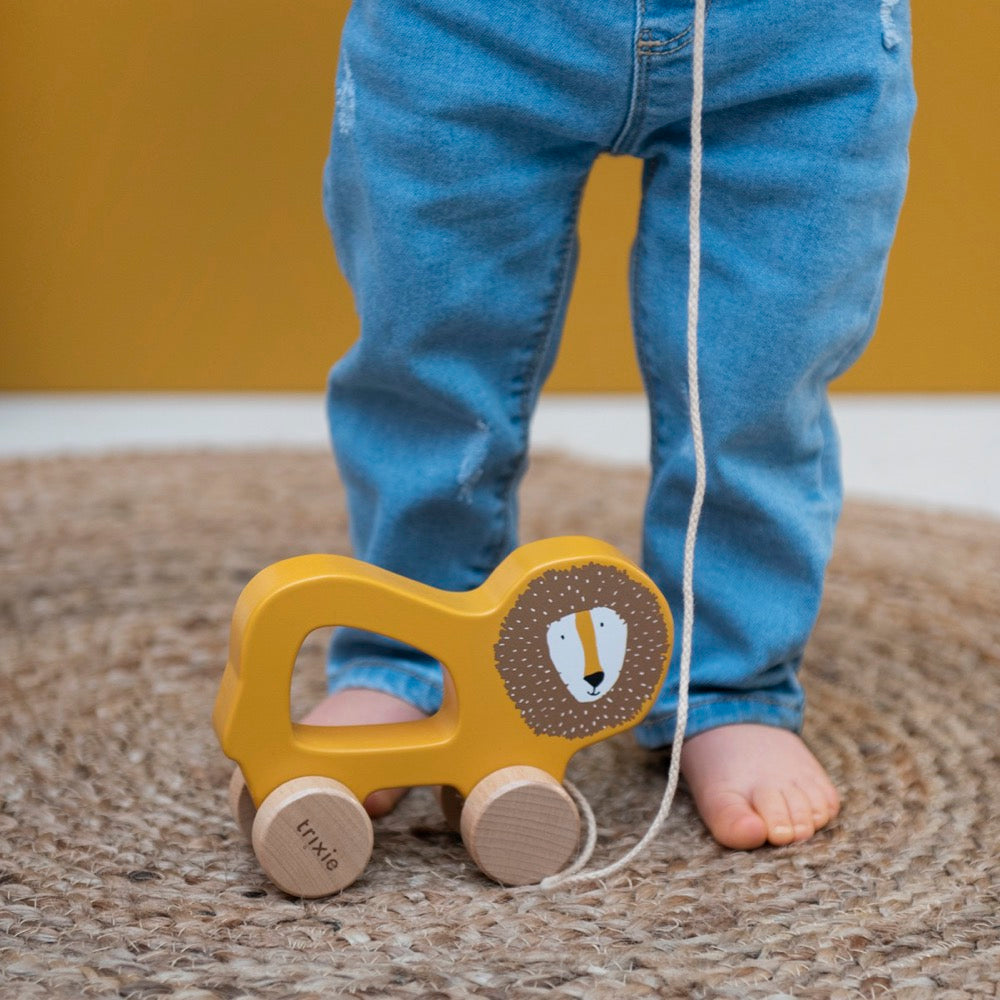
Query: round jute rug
122	874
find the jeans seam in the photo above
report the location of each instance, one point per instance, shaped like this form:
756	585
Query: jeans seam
649	375
532	375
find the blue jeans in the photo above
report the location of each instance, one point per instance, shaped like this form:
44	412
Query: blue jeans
463	135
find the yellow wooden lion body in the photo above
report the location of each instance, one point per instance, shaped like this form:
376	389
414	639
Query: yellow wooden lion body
479	728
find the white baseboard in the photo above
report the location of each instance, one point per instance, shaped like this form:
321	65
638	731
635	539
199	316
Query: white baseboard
934	450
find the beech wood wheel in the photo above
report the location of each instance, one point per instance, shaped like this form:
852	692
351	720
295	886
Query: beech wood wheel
520	825
451	802
240	804
312	836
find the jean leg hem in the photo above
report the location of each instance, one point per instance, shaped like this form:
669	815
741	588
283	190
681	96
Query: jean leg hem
658	732
397	680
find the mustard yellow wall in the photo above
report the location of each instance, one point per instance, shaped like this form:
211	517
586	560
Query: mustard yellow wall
161	227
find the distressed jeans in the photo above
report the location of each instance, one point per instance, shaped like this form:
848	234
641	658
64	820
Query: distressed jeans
463	134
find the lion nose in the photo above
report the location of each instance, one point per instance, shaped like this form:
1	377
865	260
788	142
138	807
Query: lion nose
594	679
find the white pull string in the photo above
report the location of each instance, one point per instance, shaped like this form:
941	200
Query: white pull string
573	874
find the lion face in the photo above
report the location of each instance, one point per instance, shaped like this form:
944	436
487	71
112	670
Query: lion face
587	648
582	650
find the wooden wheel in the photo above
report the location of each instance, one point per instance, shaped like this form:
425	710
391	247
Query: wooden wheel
312	836
451	802
520	825
240	804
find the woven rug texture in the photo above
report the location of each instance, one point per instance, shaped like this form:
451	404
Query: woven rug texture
123	875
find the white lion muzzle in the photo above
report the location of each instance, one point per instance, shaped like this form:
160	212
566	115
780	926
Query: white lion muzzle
587	648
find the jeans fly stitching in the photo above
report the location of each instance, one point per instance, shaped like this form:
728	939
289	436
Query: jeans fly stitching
619	141
649	46
634	122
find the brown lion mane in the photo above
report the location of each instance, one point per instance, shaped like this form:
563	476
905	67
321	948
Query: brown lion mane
521	654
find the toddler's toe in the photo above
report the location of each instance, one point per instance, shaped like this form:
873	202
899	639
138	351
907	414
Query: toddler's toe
382	802
732	821
800	809
771	804
823	800
756	784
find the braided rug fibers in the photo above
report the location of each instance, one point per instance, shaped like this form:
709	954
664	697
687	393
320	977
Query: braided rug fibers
122	874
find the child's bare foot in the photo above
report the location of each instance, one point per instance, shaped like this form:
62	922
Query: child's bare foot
757	784
356	706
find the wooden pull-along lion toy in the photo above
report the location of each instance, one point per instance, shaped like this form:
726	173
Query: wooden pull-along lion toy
566	644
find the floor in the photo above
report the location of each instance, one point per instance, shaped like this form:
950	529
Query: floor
940	451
